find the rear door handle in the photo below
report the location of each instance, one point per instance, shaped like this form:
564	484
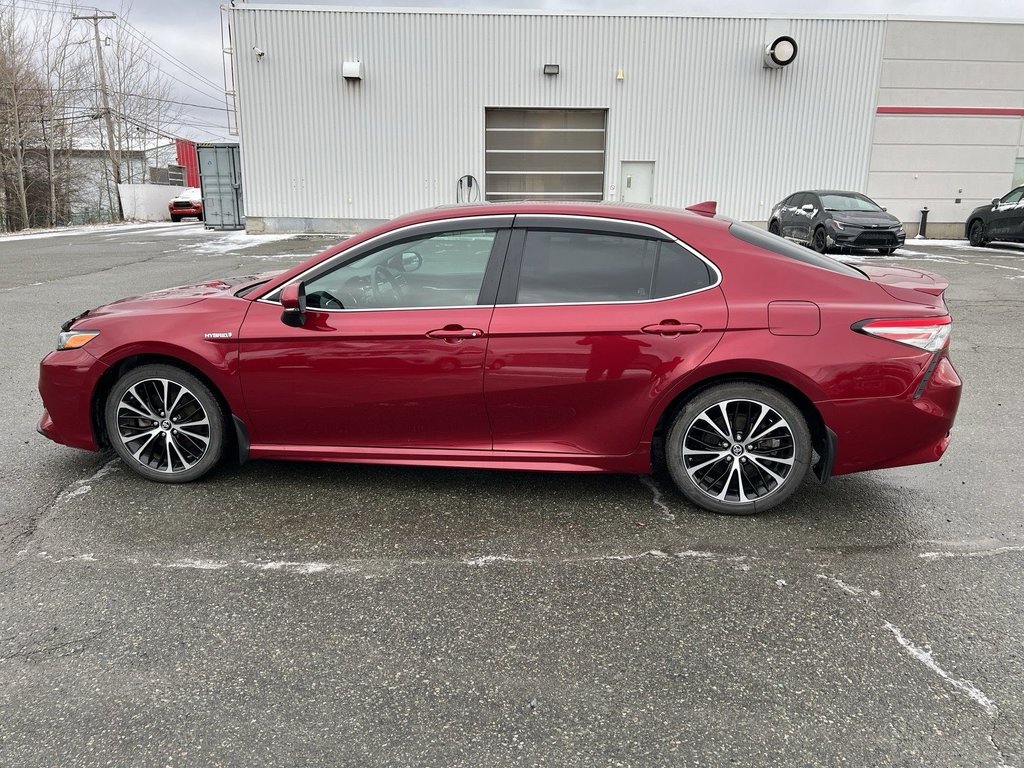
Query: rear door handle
455	333
672	328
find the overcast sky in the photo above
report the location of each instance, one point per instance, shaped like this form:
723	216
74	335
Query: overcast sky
190	30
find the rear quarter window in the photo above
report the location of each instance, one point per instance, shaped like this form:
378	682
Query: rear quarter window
783	247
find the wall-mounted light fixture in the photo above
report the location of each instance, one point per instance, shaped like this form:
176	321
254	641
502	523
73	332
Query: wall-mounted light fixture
352	70
619	74
259	53
779	53
551	69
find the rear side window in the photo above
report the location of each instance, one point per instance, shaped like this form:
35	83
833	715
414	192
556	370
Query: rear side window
589	267
783	247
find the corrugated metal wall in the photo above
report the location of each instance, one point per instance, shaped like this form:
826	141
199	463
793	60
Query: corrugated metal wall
694	98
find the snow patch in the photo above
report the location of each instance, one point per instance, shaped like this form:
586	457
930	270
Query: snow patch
976	553
235	241
199	565
666	512
480	562
849	588
924	655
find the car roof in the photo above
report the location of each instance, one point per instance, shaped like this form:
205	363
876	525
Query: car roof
660	216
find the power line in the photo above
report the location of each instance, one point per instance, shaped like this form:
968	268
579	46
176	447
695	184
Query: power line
142	37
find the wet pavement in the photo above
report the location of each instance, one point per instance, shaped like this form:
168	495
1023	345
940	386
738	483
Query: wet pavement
300	613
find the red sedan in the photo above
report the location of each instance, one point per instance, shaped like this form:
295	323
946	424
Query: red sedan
541	336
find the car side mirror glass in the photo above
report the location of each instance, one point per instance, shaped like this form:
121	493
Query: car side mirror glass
995	201
411	261
293	299
807	207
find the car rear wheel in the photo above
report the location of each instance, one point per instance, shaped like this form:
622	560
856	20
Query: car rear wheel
175	217
819	241
774	228
976	234
165	424
738	449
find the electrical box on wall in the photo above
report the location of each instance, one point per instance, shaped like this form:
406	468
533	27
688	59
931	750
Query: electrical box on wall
352	70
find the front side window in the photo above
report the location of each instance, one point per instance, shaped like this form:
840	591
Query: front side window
439	270
589	267
1013	197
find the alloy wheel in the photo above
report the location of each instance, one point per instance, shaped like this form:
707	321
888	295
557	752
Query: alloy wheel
163	425
738	451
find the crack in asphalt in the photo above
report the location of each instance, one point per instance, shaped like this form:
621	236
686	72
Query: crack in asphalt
52	650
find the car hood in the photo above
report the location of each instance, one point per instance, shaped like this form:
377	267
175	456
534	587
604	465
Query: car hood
865	218
178	296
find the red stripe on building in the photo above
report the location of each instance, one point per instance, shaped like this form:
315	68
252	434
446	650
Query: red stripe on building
977	111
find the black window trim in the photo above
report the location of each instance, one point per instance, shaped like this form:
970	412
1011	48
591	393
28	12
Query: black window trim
501	223
509	287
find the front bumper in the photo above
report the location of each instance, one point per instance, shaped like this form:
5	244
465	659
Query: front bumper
856	237
185	210
67	380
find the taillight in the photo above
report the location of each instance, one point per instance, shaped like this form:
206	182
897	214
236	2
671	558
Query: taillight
927	333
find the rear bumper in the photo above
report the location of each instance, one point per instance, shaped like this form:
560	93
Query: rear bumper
877	433
67	380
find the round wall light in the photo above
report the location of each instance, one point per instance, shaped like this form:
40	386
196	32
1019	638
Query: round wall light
780	53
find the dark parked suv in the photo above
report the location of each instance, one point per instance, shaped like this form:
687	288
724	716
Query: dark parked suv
1002	220
827	219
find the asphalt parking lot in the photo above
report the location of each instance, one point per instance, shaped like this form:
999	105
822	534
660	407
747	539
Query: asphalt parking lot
288	614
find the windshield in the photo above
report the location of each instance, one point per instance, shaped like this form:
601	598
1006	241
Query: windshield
848	202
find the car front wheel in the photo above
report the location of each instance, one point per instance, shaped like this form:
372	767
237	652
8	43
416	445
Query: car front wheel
819	241
165	424
977	234
738	449
774	228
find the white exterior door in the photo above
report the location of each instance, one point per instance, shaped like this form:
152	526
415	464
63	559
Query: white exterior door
636	184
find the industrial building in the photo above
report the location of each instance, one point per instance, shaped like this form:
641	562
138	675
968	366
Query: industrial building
351	116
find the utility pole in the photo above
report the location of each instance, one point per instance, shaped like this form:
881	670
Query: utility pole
115	161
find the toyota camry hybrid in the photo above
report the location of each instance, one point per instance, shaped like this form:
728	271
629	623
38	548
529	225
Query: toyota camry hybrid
535	336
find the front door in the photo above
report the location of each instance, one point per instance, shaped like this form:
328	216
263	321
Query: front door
636	183
1007	217
391	352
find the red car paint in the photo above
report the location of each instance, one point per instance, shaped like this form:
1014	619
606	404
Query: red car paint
566	387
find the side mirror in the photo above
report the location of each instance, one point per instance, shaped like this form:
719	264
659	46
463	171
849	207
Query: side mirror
995	201
293	299
411	261
807	207
885	210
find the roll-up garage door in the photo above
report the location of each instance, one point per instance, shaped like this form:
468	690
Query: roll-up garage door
554	154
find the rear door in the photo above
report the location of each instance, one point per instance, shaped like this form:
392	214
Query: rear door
594	321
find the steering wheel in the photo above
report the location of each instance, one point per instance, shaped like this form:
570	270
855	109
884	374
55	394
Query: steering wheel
386	286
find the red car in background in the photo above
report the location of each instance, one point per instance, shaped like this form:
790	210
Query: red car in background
188	203
540	336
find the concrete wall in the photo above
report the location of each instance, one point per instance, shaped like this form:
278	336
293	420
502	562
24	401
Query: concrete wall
950	121
320	152
147	202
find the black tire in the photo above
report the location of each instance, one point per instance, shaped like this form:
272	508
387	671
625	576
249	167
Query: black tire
819	240
774	228
717	475
175	217
976	234
153	441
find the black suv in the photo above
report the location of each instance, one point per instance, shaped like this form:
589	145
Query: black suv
825	219
1002	220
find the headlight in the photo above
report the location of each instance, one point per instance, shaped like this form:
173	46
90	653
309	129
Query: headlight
838	225
75	339
900	230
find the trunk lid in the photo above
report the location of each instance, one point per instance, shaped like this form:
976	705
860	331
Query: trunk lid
911	285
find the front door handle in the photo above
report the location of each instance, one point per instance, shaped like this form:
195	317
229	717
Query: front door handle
672	328
455	333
